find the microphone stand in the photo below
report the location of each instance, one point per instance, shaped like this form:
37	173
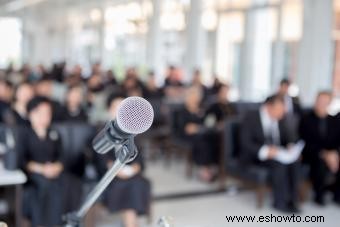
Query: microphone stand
124	156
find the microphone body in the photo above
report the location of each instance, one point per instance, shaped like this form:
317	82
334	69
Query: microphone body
110	138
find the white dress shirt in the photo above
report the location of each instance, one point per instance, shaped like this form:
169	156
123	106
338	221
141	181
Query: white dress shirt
270	129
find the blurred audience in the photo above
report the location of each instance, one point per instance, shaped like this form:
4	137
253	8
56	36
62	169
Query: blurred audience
92	98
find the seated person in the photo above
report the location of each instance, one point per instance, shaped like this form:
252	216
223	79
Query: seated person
40	150
221	109
73	109
262	135
17	115
321	133
292	103
129	193
203	142
151	89
45	88
197	82
173	78
6	92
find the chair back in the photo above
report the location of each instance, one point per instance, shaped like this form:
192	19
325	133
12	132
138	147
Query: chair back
76	139
232	139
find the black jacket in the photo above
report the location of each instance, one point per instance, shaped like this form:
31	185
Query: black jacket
309	131
252	136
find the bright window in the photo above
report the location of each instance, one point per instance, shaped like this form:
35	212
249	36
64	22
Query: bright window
10	41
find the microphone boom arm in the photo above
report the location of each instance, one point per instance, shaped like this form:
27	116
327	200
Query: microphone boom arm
126	153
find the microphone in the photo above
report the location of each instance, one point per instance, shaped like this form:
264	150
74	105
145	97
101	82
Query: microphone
134	116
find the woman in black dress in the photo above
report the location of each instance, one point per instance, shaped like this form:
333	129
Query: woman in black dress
130	192
203	141
40	149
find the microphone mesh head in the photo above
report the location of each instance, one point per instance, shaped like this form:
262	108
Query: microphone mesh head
134	115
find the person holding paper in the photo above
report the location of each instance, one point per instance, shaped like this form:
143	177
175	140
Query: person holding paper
320	131
263	136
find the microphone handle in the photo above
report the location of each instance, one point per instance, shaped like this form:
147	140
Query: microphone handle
73	219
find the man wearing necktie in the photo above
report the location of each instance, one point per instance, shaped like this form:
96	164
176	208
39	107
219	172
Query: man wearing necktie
263	134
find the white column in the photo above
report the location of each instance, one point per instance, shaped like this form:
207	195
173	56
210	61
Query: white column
315	61
25	46
195	39
246	58
154	41
278	52
101	37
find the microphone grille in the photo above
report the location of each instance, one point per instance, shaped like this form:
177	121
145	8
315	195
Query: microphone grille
135	115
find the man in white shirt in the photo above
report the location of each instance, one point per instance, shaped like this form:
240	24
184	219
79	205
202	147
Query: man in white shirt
263	136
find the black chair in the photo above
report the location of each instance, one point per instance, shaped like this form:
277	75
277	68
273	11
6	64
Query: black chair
180	144
244	107
254	175
75	138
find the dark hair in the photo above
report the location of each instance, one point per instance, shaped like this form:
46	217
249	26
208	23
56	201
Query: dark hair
35	102
325	92
197	71
151	73
223	85
114	96
171	67
271	100
7	83
74	86
285	81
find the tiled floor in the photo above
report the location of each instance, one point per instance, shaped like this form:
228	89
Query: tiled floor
210	210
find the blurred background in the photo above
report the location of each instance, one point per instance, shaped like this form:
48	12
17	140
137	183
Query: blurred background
203	65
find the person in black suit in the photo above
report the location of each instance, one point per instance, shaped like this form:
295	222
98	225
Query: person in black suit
262	133
292	104
320	131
